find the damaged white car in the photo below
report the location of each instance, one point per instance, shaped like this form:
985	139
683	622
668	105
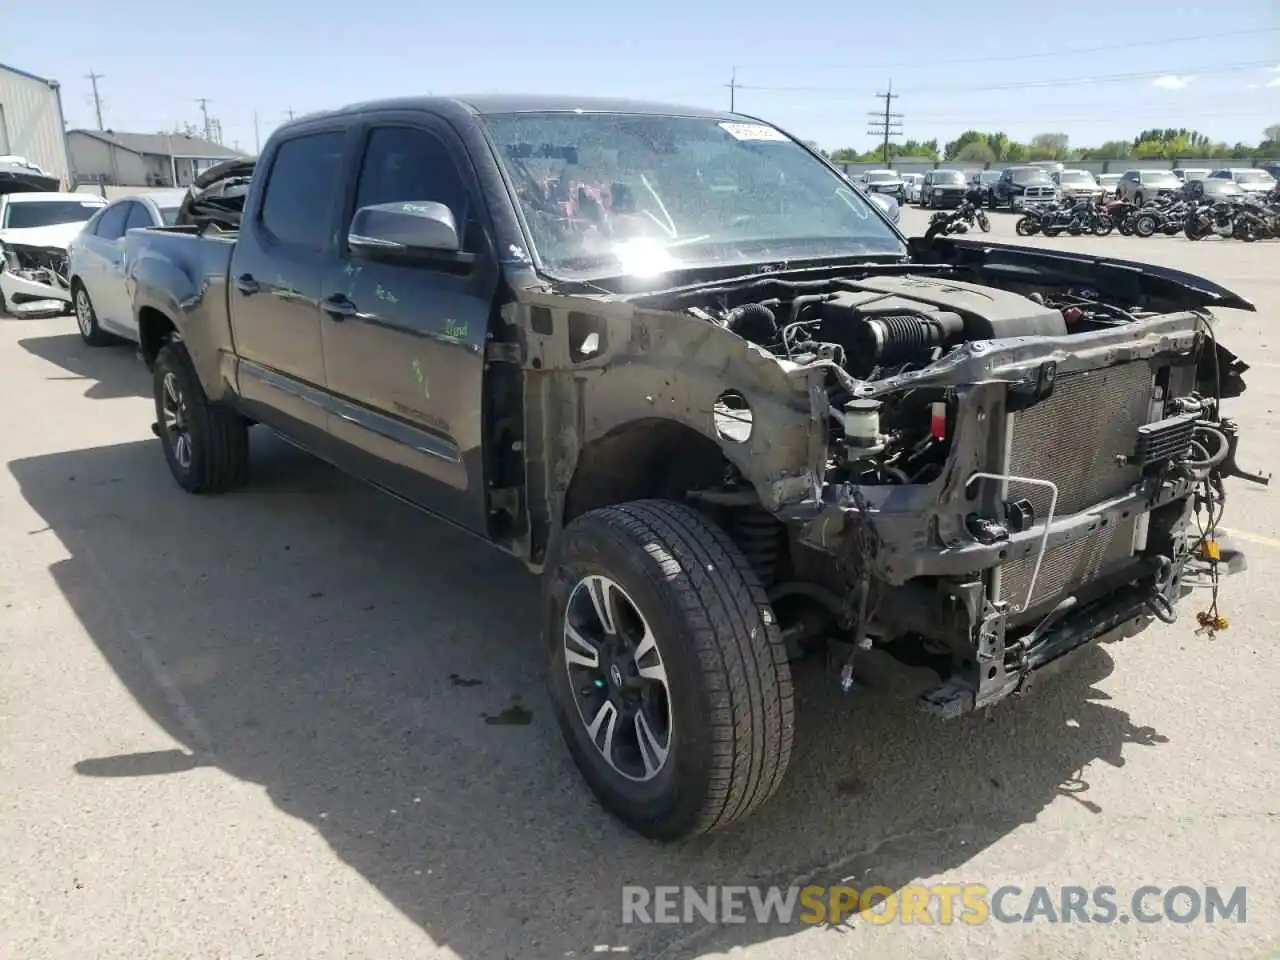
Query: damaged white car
36	227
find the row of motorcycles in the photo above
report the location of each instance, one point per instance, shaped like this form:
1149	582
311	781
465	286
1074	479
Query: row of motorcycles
1247	219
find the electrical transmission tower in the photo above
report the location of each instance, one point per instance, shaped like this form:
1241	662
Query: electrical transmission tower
97	100
733	86
204	112
886	123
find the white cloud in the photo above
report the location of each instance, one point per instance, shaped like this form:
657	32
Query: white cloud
1173	81
1274	83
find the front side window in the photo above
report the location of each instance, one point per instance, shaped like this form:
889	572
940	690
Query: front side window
607	194
407	163
27	216
301	189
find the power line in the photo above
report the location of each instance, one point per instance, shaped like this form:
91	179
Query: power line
887	124
97	100
1023	84
1060	52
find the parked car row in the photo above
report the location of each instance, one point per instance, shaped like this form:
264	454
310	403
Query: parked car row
1028	186
53	244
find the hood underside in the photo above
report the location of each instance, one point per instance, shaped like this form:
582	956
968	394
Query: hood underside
1127	280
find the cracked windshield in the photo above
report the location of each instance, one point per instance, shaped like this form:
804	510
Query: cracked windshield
609	194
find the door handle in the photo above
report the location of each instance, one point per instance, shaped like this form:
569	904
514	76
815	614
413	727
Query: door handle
339	307
246	284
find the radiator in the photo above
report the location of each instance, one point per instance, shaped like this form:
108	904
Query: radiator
1074	439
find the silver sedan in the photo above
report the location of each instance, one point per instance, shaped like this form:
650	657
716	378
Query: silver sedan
96	264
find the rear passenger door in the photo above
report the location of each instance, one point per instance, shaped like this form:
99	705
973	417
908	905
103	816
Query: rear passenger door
275	279
404	344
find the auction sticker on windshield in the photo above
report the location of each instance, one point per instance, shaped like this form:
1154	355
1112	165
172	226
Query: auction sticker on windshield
752	131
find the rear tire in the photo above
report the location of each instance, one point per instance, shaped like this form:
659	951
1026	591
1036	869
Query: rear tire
87	317
206	445
1145	226
725	676
1024	227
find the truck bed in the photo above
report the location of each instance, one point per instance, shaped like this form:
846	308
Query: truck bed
183	270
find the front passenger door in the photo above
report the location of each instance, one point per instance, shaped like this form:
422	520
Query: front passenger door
404	344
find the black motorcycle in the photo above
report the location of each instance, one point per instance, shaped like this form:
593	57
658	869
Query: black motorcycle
1075	217
959	220
1221	218
1163	215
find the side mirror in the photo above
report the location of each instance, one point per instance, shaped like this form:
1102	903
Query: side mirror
405	231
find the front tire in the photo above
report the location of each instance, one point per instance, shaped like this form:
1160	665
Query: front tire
87	317
206	445
653	612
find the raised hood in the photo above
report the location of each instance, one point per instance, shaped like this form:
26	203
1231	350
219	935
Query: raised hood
57	235
19	175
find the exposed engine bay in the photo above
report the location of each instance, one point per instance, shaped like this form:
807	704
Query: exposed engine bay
33	274
1013	468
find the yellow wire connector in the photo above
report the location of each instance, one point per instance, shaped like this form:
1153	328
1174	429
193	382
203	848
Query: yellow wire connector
1210	550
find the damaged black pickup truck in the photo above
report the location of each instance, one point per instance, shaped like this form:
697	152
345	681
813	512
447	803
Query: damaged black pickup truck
671	360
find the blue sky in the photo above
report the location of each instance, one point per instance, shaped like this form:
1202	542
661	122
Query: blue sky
1015	65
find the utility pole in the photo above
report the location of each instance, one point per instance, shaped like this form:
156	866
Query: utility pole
97	100
887	124
290	113
257	137
204	112
733	89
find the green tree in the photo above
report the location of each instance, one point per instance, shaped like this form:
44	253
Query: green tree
1049	146
976	151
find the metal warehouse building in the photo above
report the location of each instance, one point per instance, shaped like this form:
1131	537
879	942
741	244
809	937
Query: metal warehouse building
31	121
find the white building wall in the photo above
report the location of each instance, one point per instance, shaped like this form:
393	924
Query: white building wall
31	122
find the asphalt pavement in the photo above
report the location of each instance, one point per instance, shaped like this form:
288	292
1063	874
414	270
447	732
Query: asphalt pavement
304	721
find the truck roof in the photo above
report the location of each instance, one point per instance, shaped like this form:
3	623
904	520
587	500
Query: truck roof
496	103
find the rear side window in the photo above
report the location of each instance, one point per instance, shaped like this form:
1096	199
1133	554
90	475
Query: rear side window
408	163
139	216
111	226
301	190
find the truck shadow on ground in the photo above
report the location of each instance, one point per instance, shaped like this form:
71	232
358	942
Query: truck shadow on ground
109	372
379	675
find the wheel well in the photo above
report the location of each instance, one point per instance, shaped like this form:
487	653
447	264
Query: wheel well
154	329
647	458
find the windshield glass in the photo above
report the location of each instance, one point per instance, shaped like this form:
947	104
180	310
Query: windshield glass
608	194
881	176
25	216
1254	176
169	215
1075	176
1031	175
1160	179
948	176
989	176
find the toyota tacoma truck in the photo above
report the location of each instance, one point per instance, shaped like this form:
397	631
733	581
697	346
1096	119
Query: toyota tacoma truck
675	363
